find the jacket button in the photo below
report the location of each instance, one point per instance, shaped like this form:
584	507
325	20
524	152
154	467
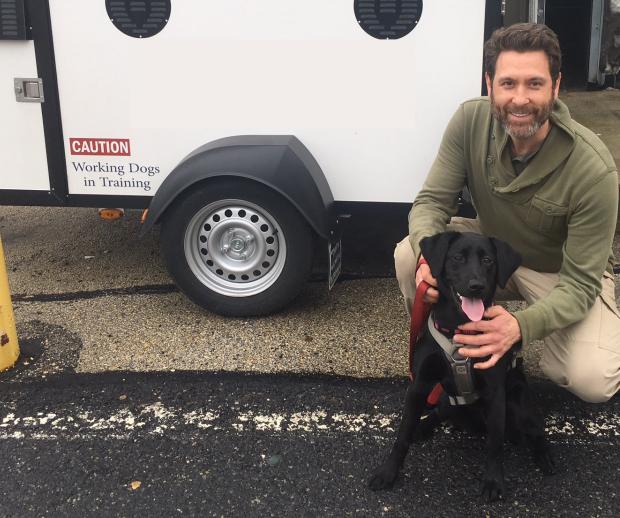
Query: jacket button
490	160
548	210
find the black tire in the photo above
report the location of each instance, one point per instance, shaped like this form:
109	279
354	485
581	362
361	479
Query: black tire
259	247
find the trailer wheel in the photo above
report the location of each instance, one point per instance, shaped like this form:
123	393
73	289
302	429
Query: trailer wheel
237	248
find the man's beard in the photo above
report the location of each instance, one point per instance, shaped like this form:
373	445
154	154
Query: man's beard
522	131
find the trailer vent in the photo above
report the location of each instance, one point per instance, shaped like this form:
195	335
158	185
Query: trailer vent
388	19
12	20
139	19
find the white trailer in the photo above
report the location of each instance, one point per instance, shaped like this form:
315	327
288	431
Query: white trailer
246	127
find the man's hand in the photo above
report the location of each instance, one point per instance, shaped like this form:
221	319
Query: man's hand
424	274
499	334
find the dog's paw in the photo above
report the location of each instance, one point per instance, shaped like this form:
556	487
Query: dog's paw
492	490
383	478
493	487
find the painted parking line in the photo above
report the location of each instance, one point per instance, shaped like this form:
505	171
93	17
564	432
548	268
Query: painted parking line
157	419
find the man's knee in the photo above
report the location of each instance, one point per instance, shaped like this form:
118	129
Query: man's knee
589	381
404	262
590	390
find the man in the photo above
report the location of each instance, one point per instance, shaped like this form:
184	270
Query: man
549	187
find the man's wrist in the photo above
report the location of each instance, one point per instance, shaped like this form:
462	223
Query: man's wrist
518	327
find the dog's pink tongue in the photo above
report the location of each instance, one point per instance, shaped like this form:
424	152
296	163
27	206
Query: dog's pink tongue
473	308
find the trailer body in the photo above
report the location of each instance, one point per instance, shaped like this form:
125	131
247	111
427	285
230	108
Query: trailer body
331	102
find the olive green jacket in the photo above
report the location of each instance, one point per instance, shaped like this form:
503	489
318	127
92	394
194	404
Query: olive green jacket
559	213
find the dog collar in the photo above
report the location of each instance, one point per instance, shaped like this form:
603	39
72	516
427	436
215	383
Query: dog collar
452	332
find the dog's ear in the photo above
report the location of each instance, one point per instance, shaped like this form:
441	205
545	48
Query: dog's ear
435	248
508	260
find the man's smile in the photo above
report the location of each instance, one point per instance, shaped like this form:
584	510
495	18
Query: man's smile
520	115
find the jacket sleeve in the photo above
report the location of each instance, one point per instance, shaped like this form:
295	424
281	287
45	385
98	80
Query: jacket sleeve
591	228
437	202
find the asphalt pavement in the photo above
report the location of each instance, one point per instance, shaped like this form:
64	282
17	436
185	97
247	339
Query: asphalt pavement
228	444
129	399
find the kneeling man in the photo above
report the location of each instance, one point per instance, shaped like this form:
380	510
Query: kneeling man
549	187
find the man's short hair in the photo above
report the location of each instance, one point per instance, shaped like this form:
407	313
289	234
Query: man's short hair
523	37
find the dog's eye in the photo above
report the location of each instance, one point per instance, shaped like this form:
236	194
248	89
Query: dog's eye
458	258
487	260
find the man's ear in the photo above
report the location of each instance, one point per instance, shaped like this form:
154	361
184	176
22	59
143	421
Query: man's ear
556	86
508	260
489	83
435	248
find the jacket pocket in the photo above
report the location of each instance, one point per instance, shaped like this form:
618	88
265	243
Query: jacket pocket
547	216
608	292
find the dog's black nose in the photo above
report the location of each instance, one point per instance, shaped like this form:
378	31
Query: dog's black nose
475	285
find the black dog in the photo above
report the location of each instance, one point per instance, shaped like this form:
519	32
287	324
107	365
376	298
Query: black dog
468	267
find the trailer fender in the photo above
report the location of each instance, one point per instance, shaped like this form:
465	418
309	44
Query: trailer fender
280	162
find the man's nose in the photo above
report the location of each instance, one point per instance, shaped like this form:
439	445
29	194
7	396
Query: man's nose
520	98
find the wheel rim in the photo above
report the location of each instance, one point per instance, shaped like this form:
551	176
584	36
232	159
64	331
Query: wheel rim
235	248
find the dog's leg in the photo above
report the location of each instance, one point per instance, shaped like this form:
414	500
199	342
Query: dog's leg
426	427
534	429
495	406
529	424
385	476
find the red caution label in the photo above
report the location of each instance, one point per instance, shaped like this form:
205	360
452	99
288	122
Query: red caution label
100	146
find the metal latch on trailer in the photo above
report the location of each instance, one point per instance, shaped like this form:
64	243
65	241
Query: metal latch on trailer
29	90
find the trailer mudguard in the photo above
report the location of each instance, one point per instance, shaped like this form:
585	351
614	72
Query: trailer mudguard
280	162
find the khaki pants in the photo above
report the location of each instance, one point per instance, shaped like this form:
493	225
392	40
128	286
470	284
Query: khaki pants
584	358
